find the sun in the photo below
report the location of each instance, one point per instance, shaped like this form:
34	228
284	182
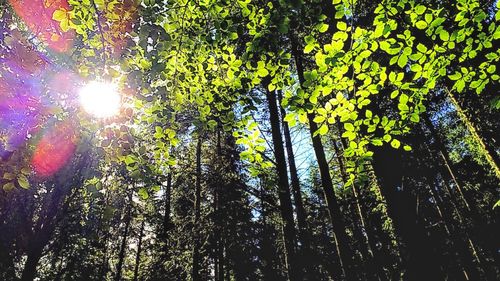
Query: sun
100	99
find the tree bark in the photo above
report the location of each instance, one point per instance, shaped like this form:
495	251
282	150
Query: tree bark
294	179
286	209
389	169
139	249
121	255
168	194
445	157
29	270
488	151
339	228
197	213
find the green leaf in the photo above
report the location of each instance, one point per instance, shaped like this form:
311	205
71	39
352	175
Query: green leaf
143	193
348	127
64	25
341	25
455	76
262	72
497	204
23	181
308	48
444	35
9	176
460	85
319	119
395	143
323	27
59	15
233	35
403	99
420	9
8	186
212	124
421	24
421	48
403	59
394	94
323	130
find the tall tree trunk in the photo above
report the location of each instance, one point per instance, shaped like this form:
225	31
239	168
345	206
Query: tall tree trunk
267	253
53	208
339	228
121	255
307	258
218	196
197	213
286	209
388	167
6	262
336	218
139	250
446	216
168	195
488	151
445	157
29	270
294	178
372	262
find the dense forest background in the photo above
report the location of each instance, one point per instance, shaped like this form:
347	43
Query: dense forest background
255	140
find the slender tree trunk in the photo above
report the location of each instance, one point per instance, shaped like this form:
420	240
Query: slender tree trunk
168	195
294	178
373	263
267	252
308	258
29	270
218	196
446	216
388	166
121	255
197	213
488	151
339	228
139	250
6	262
336	218
445	157
286	209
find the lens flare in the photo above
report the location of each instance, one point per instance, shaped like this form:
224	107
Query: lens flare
38	17
100	99
54	149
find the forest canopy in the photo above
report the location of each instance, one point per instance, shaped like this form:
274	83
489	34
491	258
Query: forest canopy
249	140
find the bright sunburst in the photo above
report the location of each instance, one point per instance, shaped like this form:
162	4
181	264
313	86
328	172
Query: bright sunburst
100	99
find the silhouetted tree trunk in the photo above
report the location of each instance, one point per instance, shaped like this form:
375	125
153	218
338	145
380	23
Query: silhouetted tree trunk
197	213
294	178
402	208
339	228
307	258
123	247
139	250
267	253
168	195
55	207
443	152
286	209
487	150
